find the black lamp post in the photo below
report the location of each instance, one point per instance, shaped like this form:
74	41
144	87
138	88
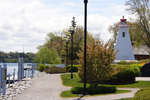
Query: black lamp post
67	41
72	31
85	39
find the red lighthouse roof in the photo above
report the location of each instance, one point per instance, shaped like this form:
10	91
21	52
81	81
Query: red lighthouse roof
123	23
123	20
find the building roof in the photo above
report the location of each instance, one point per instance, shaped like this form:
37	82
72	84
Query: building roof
141	50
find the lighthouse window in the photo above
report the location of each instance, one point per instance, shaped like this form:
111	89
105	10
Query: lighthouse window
123	34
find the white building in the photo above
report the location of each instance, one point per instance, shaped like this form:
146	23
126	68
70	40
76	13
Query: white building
123	44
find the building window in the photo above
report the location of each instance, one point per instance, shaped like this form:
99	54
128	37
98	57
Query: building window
123	34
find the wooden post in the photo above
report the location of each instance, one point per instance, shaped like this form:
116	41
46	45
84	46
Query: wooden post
9	80
4	78
0	80
14	75
32	70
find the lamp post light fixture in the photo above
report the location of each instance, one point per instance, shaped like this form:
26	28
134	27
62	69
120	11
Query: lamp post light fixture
72	31
85	42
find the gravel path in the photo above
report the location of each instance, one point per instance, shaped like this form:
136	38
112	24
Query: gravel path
49	87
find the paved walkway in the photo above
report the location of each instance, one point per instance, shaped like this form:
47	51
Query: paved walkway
49	87
44	87
142	78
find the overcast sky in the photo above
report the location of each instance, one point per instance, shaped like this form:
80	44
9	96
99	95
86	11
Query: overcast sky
25	23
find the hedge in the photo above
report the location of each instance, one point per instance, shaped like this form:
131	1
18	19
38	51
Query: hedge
74	68
124	74
42	67
55	70
51	70
97	90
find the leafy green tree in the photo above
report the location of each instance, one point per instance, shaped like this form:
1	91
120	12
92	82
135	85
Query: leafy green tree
12	57
10	60
47	56
55	40
58	42
78	41
99	58
29	57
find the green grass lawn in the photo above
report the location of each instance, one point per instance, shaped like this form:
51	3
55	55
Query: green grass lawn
75	82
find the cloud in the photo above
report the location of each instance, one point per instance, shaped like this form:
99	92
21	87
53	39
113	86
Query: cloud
27	22
100	19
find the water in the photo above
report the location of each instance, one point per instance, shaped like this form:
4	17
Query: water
11	67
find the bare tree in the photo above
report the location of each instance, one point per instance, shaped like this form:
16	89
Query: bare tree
142	10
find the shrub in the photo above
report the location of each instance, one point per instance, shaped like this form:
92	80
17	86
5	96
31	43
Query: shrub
136	65
124	74
91	90
144	61
124	77
145	70
142	94
46	67
136	69
119	66
74	68
41	67
123	62
99	58
55	70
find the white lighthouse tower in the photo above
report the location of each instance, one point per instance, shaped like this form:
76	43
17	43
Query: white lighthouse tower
123	44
